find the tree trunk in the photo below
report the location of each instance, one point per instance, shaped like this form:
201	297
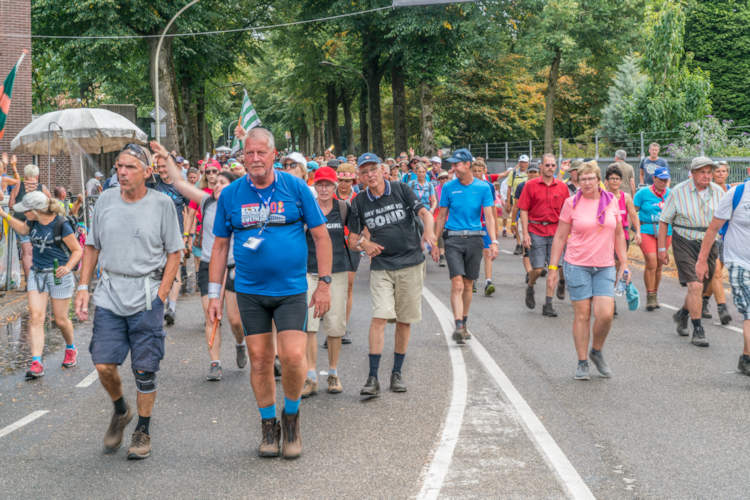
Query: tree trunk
400	136
332	101
549	102
200	114
167	100
304	137
428	132
348	145
376	121
317	135
364	130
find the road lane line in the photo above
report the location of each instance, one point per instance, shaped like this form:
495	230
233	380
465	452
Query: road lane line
506	251
90	378
728	327
667	306
434	474
544	442
20	423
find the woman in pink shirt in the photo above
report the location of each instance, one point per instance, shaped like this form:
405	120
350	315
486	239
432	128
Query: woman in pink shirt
590	231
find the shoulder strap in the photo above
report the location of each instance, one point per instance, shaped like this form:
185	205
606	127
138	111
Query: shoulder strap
343	210
736	198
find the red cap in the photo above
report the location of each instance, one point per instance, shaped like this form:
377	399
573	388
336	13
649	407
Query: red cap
325	174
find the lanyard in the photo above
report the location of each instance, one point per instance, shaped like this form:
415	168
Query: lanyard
266	202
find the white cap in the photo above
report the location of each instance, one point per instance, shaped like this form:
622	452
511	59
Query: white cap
523	158
296	158
35	200
436	159
98	174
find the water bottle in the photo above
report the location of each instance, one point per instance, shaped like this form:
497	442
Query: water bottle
55	265
622	285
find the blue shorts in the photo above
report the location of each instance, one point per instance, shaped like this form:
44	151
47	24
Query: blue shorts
197	252
585	282
141	333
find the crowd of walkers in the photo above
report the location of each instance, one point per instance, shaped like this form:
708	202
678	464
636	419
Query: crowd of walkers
278	238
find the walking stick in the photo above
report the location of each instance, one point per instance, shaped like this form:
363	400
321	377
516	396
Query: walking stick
221	307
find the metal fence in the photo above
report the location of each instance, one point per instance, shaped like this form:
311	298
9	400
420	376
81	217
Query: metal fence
10	266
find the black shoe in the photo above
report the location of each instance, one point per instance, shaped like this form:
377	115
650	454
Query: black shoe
489	289
699	337
169	317
518	250
397	383
744	365
277	367
724	315
548	310
325	343
705	313
681	318
347	338
371	388
458	336
530	302
561	290
544	272
441	263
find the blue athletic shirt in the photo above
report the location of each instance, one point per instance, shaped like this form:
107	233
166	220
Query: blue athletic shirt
277	267
649	208
465	204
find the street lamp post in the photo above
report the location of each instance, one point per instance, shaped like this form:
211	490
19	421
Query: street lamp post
367	86
156	66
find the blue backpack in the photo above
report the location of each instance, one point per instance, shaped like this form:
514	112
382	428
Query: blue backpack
739	190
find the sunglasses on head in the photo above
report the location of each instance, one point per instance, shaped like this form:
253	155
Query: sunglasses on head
137	151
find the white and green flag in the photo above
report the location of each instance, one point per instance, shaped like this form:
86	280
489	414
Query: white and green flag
248	119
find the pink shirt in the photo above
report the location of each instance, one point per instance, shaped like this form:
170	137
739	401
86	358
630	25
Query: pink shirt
590	243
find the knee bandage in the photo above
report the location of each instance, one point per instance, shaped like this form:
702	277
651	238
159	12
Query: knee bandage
145	382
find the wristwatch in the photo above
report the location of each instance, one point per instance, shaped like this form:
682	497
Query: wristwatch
325	279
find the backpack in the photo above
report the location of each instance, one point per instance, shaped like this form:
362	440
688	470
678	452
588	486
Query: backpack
57	231
736	198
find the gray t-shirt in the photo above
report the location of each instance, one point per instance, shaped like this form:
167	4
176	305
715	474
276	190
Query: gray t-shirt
736	250
208	209
133	240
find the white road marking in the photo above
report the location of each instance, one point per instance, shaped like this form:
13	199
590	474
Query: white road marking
435	473
549	449
506	251
728	327
90	378
667	306
20	423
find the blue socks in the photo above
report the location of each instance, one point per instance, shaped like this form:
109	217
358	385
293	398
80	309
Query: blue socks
312	375
332	371
268	412
36	358
398	361
71	346
374	364
291	406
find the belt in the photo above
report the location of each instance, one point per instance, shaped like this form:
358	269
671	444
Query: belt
465	233
40	270
147	278
541	223
691	228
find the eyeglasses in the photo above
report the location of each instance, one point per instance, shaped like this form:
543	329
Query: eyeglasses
346	180
588	179
550	164
211	171
137	151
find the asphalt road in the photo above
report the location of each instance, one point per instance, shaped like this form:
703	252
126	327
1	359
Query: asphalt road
501	417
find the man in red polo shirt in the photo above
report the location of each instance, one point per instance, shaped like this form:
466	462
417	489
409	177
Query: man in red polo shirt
540	204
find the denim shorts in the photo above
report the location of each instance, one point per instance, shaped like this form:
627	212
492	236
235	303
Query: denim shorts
585	282
44	282
540	251
141	333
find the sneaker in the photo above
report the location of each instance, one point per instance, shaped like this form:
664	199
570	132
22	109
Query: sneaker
71	358
169	317
705	313
291	445
530	302
334	384
140	446
276	368
651	301
489	289
744	365
214	372
518	250
699	337
601	365
441	262
458	336
681	318
397	383
724	315
371	387
241	355
548	310
36	370
310	388
270	438
561	290
113	436
345	340
582	371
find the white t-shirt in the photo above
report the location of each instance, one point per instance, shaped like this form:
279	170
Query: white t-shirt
736	249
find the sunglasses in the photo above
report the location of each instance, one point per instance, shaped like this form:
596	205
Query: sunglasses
212	171
137	151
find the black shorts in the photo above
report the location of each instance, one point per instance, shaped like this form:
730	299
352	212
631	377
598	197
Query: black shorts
288	312
685	256
464	255
203	279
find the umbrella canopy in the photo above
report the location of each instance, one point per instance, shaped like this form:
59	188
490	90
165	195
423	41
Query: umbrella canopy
223	149
94	130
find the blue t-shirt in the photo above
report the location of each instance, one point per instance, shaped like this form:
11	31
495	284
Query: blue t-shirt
179	201
649	208
408	177
44	249
465	204
423	192
492	193
277	267
649	167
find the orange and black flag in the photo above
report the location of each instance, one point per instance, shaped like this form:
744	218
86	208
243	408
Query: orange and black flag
5	92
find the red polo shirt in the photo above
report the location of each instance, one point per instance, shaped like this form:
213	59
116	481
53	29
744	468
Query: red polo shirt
544	203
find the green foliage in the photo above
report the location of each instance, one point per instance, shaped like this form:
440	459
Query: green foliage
628	81
717	137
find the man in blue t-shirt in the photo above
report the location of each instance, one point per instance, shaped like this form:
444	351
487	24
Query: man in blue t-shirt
649	164
462	202
266	211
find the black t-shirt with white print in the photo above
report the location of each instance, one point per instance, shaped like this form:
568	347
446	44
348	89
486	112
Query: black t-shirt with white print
390	220
335	226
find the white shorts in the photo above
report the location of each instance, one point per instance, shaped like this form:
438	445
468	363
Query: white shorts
334	321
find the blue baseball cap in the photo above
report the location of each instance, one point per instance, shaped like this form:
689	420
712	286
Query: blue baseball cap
662	173
312	165
459	155
276	164
342	159
368	158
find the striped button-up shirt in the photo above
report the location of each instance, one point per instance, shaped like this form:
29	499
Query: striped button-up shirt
690	208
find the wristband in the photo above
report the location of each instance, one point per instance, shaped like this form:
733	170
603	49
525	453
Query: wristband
495	242
185	234
213	296
82	287
662	249
214	289
552	268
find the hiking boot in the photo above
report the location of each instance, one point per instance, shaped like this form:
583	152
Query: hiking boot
310	388
140	446
241	355
548	310
652	302
466	332
371	387
458	336
561	290
169	317
36	370
397	383
291	445
113	436
270	437
598	359
744	365
276	368
71	358
345	340
530	302
214	372
681	318
705	313
518	250
489	289
441	262
334	384
724	315
699	337
582	371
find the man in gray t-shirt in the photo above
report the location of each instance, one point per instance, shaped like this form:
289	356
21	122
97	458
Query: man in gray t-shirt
135	237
